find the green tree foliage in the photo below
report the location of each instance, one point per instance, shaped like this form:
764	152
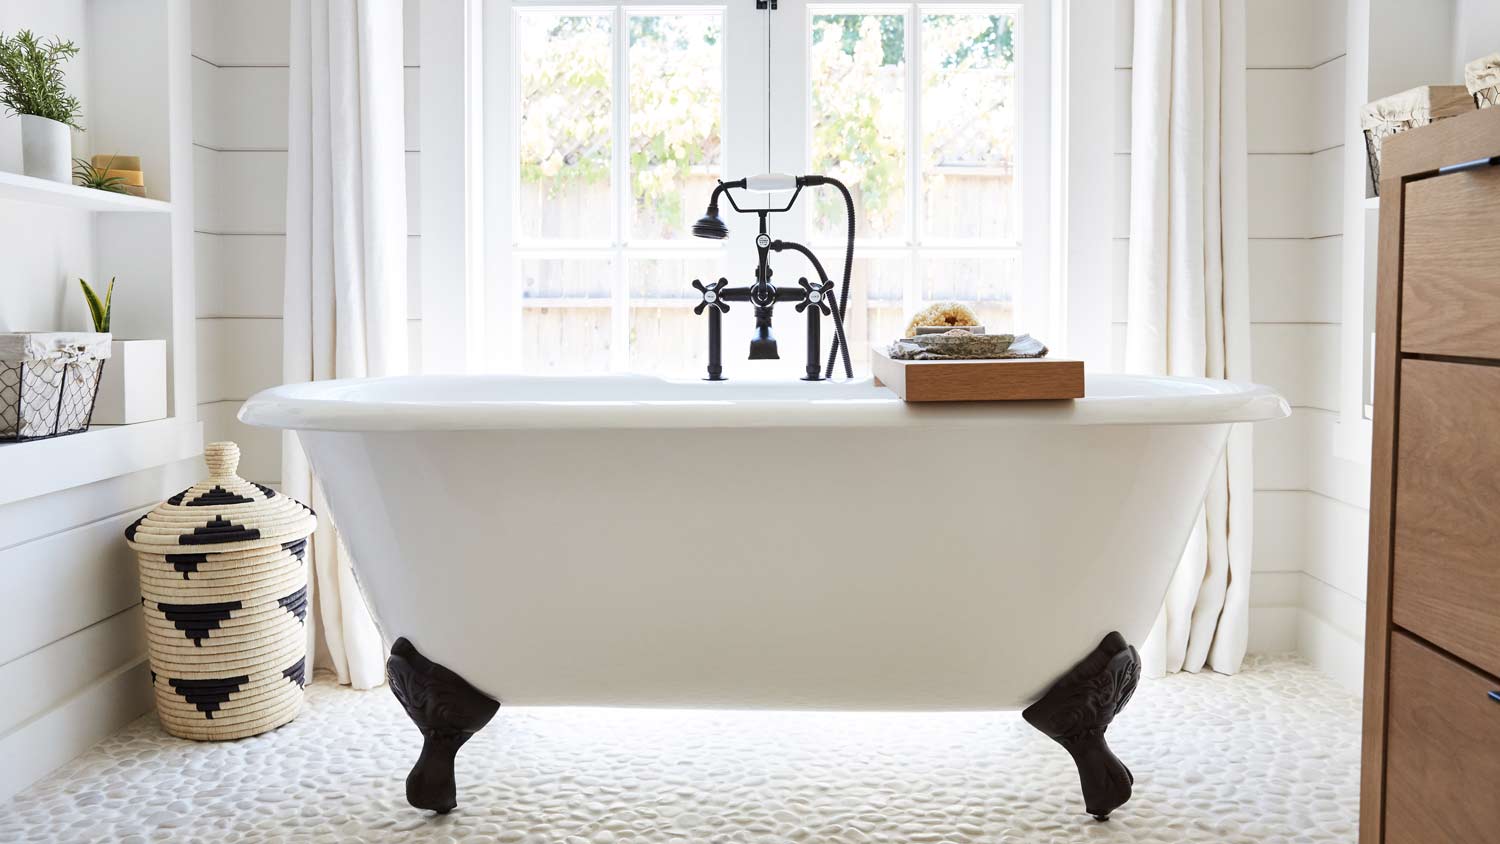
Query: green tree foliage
566	86
859	82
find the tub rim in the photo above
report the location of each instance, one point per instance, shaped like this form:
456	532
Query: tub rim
335	405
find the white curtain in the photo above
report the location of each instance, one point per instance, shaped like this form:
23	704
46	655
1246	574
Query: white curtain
345	303
1188	296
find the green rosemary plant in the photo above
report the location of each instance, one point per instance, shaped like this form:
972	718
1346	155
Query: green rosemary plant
31	77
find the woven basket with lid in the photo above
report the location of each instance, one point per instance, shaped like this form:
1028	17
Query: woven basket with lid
224	587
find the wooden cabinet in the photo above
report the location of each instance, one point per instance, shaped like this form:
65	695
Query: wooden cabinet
1446	569
1450	303
1431	744
1442	749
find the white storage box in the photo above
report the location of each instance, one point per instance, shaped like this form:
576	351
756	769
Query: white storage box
136	389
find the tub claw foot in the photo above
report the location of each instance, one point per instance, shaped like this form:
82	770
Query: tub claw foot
447	710
1077	710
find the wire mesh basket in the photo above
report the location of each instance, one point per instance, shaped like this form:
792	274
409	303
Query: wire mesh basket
1407	110
48	383
1482	77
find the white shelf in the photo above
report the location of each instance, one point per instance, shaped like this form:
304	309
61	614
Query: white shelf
19	188
39	467
1372	203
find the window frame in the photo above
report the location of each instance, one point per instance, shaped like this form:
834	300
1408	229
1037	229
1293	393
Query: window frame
465	99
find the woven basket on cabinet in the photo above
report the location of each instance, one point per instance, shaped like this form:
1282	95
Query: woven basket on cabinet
224	588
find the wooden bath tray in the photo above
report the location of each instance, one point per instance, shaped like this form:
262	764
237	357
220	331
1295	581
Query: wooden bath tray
1016	379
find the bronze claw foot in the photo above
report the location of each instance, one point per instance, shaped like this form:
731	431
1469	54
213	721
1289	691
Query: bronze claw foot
1077	710
447	710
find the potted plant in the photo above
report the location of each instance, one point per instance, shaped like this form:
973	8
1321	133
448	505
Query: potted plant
86	175
32	86
136	389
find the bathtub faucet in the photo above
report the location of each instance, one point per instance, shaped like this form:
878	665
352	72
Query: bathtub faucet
816	299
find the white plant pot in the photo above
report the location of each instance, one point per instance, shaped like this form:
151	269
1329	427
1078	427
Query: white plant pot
134	386
46	149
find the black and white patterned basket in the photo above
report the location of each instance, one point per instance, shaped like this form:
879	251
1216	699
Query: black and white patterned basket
224	589
48	383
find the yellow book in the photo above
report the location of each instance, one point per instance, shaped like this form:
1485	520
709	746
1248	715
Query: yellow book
117	162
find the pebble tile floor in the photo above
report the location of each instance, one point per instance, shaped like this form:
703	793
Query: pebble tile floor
1270	755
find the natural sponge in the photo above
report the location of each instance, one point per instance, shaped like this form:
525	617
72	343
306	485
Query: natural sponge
954	314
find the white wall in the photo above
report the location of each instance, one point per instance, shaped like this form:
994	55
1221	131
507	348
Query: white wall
72	640
1305	527
1476	32
240	50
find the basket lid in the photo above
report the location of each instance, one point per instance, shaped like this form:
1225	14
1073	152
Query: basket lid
224	513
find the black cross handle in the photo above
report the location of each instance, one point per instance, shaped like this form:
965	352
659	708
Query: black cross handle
816	295
712	296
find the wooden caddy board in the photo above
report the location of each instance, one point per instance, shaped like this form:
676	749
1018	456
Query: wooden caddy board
1013	379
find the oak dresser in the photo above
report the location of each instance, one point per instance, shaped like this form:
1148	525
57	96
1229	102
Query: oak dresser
1431	745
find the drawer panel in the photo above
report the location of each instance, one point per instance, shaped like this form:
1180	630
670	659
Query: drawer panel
1442	751
1450	281
1446	558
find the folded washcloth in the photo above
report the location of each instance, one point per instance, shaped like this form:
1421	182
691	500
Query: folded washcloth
961	345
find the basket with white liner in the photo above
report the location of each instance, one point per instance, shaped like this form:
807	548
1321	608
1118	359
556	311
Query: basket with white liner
48	382
1407	110
224	589
1482	78
946	356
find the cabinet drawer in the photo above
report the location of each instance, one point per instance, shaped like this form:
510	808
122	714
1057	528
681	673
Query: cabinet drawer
1446	580
1450	279
1442	750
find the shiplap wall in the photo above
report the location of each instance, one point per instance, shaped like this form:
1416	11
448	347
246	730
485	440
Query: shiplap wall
72	640
240	77
1295	80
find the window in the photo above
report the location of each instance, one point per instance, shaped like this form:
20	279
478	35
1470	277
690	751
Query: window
619	119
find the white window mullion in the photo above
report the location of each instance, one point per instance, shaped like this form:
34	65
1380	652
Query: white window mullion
914	124
619	342
912	287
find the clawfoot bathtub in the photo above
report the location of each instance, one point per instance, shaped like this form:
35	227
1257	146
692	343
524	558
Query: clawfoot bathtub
628	541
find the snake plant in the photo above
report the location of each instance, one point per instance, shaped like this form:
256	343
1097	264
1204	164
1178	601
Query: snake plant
98	310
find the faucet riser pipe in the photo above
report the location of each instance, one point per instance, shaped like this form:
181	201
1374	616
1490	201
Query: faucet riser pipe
715	338
814	346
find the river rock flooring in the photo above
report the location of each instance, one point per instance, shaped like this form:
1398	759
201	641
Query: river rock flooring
1269	755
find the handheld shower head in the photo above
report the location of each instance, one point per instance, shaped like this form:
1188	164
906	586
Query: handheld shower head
710	226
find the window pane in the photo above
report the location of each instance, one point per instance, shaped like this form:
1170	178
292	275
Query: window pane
669	340
565	339
858	69
666	337
672	278
565	278
984	283
675	107
563	70
968	126
875	305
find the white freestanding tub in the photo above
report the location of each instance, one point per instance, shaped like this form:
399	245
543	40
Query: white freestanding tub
629	541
